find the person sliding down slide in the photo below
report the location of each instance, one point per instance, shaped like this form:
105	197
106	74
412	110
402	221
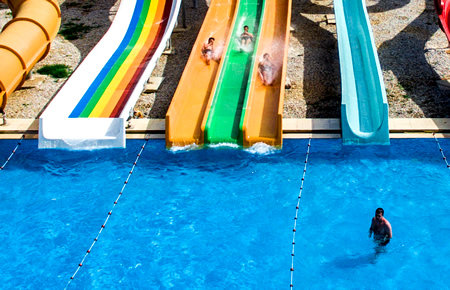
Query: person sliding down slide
246	37
208	50
266	70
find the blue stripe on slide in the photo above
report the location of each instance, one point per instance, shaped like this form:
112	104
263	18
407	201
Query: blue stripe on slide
101	76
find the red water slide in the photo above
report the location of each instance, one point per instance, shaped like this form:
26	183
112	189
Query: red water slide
443	11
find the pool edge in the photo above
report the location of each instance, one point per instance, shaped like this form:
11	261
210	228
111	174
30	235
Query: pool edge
292	128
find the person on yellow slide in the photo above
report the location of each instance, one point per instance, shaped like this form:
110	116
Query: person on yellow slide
208	50
266	70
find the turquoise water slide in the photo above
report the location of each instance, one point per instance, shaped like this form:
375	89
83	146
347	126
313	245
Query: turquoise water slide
364	107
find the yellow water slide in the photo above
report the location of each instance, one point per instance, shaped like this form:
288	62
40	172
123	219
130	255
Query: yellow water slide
264	110
185	114
25	40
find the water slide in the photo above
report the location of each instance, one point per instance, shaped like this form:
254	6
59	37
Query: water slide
225	108
443	11
263	113
25	40
186	111
364	108
91	109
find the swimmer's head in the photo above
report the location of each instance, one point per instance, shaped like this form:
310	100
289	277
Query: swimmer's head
266	55
211	39
379	213
246	28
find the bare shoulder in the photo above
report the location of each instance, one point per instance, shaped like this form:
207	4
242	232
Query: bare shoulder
387	222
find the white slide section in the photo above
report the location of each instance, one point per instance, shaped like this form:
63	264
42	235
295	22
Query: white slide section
57	130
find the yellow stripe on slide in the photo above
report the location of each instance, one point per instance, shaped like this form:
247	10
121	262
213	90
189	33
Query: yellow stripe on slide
115	82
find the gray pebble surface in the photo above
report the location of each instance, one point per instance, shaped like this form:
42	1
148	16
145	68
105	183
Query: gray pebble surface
413	54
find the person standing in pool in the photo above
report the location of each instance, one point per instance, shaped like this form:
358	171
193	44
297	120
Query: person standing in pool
381	228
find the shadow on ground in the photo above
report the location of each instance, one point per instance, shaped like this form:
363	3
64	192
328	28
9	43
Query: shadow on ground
404	55
182	43
83	20
321	78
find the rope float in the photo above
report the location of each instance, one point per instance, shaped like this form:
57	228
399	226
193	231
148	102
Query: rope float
296	214
12	153
441	150
109	214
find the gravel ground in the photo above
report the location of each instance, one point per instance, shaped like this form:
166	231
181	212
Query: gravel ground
412	50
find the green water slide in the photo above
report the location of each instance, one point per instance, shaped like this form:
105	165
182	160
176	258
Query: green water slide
230	96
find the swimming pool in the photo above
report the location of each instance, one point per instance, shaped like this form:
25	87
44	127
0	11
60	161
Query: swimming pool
223	218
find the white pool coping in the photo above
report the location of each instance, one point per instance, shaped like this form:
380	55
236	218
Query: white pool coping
292	128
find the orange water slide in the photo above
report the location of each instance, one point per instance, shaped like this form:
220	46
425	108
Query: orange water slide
25	40
264	109
185	114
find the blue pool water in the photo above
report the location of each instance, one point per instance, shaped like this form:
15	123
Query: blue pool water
223	218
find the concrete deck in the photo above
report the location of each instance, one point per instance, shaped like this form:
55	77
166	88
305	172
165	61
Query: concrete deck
292	128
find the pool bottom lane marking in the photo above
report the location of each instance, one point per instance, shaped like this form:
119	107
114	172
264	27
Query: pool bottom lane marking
12	153
296	214
441	150
109	213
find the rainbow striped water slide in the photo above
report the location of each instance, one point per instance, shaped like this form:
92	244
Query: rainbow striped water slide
91	108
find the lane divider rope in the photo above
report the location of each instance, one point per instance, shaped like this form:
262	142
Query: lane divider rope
296	214
441	150
109	214
12	153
